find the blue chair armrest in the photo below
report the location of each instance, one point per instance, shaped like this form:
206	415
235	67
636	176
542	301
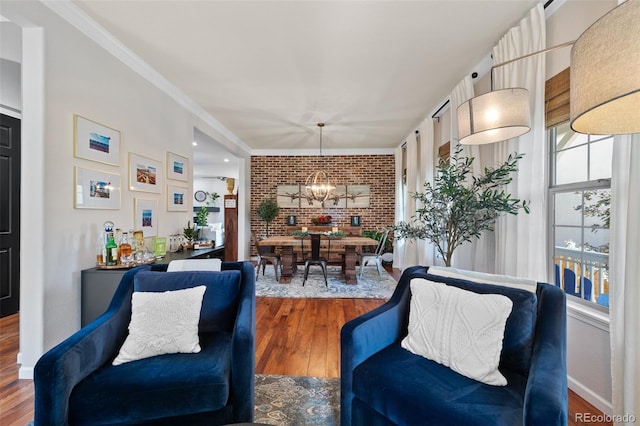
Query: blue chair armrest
243	344
368	334
546	399
61	368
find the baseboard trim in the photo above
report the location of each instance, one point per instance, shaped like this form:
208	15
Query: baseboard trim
25	373
591	397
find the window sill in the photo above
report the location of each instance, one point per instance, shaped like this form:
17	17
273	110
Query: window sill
588	315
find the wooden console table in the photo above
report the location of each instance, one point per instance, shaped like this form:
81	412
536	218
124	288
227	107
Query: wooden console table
289	244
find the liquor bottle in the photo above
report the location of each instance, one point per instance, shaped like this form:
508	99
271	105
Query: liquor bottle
124	250
111	247
100	250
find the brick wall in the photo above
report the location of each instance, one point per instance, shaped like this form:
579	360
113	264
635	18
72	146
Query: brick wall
377	171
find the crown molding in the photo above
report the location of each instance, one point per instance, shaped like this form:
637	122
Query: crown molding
86	25
325	152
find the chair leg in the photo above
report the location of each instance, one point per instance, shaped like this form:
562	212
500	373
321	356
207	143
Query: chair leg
379	265
324	272
275	268
306	273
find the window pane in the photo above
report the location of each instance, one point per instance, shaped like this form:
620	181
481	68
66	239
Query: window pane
601	157
568	208
568	241
567	138
597	204
596	240
571	165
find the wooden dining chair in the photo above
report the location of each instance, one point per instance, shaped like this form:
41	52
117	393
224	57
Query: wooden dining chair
313	254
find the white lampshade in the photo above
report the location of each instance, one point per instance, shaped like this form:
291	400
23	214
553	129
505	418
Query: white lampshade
493	117
605	74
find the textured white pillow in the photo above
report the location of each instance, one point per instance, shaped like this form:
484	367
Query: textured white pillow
484	278
457	328
194	265
162	323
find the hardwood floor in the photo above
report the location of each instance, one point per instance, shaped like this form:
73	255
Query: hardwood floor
296	337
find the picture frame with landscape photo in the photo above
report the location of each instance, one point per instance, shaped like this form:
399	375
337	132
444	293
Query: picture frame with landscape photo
144	174
145	214
177	198
96	189
177	167
96	142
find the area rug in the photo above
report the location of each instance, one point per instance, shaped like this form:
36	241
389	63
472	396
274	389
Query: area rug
370	286
291	400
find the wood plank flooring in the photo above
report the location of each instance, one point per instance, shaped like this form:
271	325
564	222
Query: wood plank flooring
296	337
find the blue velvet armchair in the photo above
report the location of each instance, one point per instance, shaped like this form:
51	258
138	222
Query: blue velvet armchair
76	383
384	384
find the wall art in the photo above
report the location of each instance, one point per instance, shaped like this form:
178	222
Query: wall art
288	196
95	141
338	198
177	167
144	174
146	216
177	199
358	196
96	190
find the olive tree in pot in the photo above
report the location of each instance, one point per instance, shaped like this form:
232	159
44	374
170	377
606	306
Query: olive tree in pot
268	210
459	206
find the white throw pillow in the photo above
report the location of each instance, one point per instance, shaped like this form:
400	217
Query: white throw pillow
484	278
162	323
457	328
194	265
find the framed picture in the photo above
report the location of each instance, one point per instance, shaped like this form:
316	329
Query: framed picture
144	174
177	167
358	196
307	202
177	198
146	216
96	190
288	196
95	141
338	198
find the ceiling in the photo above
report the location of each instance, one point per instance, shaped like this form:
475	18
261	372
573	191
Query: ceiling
269	71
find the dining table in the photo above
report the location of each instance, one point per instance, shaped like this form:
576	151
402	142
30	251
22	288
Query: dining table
290	245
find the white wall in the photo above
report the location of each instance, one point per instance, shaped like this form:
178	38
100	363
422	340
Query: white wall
82	78
10	69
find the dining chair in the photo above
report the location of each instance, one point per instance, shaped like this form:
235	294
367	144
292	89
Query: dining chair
266	254
375	256
315	254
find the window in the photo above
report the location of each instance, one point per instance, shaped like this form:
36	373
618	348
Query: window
580	196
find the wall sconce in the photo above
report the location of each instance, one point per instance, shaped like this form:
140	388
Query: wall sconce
605	86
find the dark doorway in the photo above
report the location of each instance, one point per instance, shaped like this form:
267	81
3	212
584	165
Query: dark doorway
9	215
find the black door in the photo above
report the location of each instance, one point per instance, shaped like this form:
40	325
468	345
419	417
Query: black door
9	215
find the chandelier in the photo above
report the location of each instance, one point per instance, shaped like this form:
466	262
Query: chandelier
318	186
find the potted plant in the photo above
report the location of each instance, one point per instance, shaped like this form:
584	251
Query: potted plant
268	210
190	234
459	206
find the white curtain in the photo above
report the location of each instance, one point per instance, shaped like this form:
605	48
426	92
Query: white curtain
624	291
410	248
425	250
398	244
521	247
474	255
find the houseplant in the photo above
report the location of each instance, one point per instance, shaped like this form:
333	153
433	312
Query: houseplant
190	233
459	206
268	210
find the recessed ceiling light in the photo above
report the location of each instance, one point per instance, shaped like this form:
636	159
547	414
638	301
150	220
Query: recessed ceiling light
194	143
226	160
